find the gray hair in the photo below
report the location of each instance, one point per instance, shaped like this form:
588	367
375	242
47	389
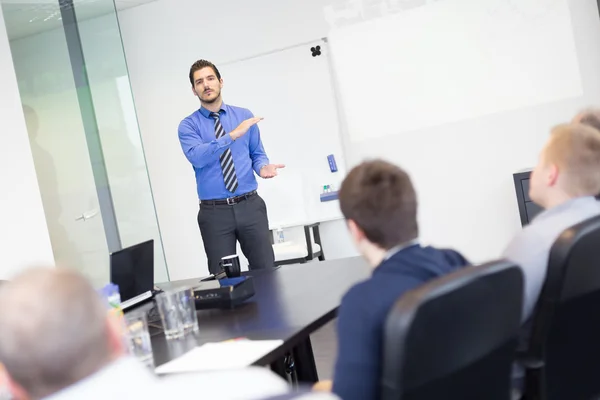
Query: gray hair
589	117
54	330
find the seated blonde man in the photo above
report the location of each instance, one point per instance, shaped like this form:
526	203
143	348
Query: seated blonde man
564	183
58	343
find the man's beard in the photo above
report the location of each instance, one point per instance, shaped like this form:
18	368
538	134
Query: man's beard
210	101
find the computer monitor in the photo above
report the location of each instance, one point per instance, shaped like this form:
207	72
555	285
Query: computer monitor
132	269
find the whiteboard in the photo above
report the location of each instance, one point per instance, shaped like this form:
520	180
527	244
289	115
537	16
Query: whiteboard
462	169
293	91
454	60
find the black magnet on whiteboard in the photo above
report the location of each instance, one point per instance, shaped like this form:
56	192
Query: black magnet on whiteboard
316	51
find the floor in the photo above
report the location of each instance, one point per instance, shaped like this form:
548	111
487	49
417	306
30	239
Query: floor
324	345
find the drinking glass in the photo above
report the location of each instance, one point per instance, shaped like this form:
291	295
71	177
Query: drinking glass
187	307
168	304
138	337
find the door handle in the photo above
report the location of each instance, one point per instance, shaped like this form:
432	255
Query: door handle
87	215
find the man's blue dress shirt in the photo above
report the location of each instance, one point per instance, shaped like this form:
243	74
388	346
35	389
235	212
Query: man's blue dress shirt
203	149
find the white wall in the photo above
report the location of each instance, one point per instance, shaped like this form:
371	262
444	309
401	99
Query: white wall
23	233
163	38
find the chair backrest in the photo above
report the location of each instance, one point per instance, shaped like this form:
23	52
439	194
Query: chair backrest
455	337
565	332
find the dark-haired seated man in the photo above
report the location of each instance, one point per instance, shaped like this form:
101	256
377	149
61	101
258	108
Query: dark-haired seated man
379	203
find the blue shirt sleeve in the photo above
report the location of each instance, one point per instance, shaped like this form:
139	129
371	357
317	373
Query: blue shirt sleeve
197	152
357	369
257	151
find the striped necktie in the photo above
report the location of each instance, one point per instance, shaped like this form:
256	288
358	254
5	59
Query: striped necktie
229	176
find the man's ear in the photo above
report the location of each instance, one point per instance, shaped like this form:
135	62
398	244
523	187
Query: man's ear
221	83
116	334
552	176
8	386
358	235
194	91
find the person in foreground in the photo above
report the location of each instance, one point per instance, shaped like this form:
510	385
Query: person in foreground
380	205
564	183
58	342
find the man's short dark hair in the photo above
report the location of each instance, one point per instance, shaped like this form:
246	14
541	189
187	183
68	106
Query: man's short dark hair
380	198
198	65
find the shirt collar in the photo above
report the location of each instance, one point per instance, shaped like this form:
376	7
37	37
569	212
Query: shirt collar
206	113
573	203
396	249
124	369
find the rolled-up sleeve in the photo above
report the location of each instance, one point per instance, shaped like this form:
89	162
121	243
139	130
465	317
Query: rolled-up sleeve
196	151
257	151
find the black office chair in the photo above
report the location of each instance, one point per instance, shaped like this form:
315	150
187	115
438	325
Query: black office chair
455	337
563	357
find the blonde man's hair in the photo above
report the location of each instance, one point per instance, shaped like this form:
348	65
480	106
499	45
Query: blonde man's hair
575	150
53	330
590	117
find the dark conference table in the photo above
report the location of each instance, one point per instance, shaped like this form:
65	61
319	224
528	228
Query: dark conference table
290	303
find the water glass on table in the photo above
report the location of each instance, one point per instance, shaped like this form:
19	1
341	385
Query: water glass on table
168	304
187	307
138	337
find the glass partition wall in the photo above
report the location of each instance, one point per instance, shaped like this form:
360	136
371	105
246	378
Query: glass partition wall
88	154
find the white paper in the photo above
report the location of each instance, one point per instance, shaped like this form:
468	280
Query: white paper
219	356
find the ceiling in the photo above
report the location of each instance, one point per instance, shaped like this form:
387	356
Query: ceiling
28	17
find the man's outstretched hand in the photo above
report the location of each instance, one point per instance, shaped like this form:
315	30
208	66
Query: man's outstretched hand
270	170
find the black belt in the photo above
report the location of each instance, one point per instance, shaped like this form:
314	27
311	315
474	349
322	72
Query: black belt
230	201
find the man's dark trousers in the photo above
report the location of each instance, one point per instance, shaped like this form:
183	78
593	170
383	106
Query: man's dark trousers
222	225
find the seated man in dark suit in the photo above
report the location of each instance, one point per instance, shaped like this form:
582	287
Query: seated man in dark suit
380	205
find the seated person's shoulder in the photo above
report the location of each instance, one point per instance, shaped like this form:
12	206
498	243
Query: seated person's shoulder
367	302
437	262
243	384
358	293
364	306
455	258
528	240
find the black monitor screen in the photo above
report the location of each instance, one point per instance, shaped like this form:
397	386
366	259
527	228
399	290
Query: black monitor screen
132	269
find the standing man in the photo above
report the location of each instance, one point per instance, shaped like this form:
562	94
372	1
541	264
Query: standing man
223	144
